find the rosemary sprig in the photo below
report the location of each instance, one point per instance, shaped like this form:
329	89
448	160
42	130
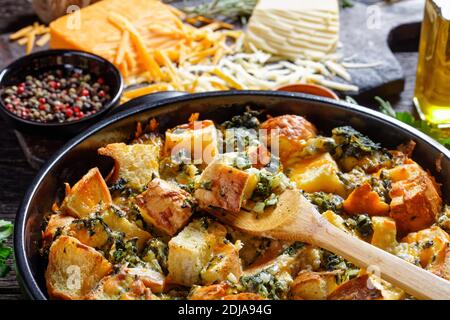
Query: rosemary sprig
346	4
233	10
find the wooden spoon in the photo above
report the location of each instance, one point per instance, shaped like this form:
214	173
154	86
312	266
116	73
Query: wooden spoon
296	219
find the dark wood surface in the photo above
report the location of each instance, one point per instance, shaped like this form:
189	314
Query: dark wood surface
16	174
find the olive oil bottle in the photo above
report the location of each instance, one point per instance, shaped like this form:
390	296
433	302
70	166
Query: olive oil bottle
432	94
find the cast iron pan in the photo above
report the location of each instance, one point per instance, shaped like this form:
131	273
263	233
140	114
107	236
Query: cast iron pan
80	154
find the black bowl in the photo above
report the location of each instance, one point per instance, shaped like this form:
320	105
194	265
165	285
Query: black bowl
80	154
57	59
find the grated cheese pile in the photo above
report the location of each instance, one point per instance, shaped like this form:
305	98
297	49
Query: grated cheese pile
253	69
27	36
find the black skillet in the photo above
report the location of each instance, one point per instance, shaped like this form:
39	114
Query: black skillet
79	155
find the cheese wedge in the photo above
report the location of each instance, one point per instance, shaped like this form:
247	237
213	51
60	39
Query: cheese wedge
100	29
295	28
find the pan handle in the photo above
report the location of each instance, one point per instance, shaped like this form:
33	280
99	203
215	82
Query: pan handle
146	100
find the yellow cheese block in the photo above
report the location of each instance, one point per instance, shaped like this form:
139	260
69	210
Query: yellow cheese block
98	29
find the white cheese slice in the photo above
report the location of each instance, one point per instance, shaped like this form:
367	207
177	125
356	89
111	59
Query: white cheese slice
295	28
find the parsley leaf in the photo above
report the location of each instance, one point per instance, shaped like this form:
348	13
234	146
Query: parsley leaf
6	230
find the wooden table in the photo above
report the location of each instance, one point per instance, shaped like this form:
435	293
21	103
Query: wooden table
16	174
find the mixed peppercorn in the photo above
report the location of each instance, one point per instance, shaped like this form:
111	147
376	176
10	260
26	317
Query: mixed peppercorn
56	96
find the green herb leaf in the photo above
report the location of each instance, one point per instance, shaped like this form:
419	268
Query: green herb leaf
5	252
405	117
6	230
346	4
234	10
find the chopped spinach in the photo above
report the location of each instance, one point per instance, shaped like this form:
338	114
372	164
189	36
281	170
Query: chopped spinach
119	185
362	224
249	119
293	249
268	283
353	143
326	201
156	253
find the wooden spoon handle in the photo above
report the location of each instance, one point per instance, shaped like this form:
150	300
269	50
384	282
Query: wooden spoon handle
418	282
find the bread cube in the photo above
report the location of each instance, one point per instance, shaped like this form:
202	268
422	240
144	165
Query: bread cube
129	284
136	164
384	233
316	174
360	288
87	196
225	261
211	292
292	131
189	252
225	187
165	206
416	199
199	254
198	141
309	285
428	243
119	223
363	200
56	223
441	265
90	231
388	291
74	269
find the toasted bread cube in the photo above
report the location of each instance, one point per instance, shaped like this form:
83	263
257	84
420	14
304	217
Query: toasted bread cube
428	243
388	291
197	140
384	233
200	249
117	222
136	164
309	285
293	131
223	186
211	292
316	174
129	284
189	252
363	200
441	265
87	196
165	206
360	288
74	269
91	232
225	261
416	199
56	223
310	258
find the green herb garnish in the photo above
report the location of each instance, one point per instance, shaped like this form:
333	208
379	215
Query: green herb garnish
406	117
233	10
346	4
6	230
